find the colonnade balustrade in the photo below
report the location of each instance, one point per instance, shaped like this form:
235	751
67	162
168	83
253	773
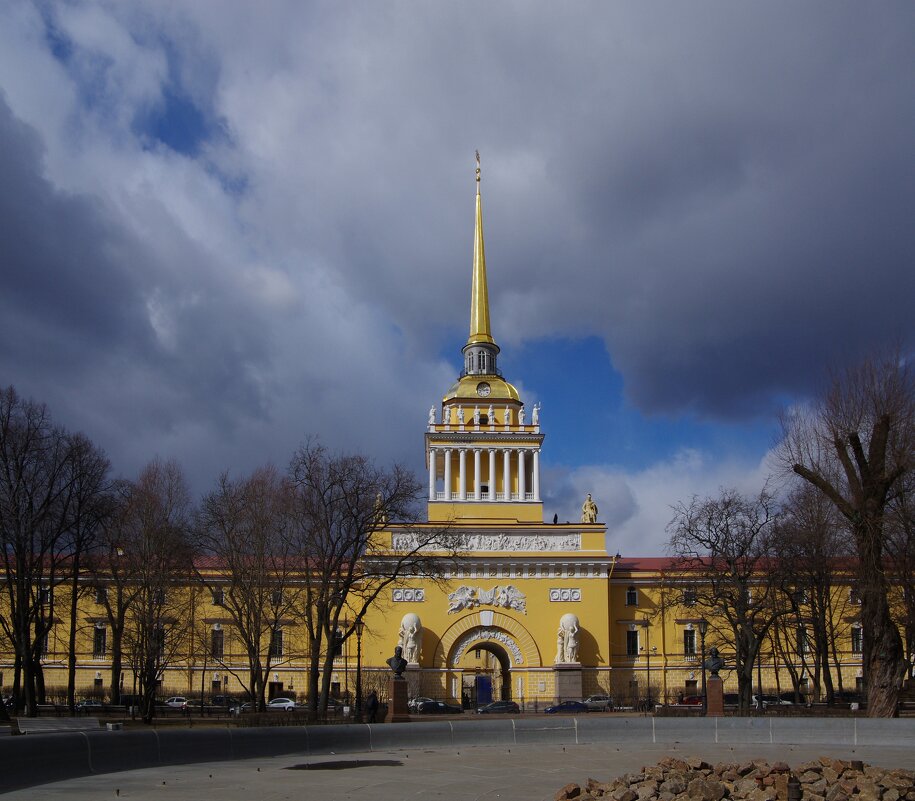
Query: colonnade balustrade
470	485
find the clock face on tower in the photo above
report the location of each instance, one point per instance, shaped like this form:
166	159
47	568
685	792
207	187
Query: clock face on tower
483	389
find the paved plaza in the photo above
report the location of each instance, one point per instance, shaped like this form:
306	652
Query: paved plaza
517	773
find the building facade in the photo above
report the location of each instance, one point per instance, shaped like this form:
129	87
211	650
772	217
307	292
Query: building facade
531	611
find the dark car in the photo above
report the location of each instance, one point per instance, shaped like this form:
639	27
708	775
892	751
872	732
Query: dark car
499	707
731	699
430	707
567	707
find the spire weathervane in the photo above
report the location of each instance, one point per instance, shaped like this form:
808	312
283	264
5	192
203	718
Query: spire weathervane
479	303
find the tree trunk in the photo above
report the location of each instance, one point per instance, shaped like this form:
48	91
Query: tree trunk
71	655
884	656
117	665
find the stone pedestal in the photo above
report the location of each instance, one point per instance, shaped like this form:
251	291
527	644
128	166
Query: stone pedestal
568	682
714	696
398	693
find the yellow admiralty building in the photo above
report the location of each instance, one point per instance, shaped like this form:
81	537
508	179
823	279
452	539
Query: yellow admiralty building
532	611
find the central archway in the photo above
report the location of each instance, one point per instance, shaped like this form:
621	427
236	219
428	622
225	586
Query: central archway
483	670
479	652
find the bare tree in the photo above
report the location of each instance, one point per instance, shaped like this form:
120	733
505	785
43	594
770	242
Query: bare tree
90	505
900	548
34	507
113	575
154	534
855	445
342	507
815	556
722	551
247	561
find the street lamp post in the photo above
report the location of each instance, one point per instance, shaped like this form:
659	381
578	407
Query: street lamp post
703	628
359	625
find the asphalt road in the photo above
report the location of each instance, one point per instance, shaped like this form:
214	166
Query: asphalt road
519	773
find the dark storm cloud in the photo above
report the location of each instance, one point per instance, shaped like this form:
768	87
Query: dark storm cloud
722	192
79	293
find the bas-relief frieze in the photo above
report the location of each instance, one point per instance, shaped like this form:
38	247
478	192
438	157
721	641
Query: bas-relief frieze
487	634
505	596
497	542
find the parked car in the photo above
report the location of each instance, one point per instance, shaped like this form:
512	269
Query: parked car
429	706
176	702
499	708
768	700
692	700
791	698
87	704
224	700
598	703
731	699
281	704
567	708
849	697
413	703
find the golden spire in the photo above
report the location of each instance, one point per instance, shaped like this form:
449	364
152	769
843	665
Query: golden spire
479	297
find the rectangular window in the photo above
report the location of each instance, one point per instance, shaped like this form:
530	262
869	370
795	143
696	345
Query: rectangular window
217	643
803	643
632	643
99	642
277	597
219	597
44	595
857	640
632	597
158	641
853	596
276	644
101	595
689	597
689	642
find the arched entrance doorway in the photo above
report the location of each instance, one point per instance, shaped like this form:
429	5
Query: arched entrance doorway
486	654
485	673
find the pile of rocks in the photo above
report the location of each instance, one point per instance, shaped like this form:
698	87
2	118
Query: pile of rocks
692	779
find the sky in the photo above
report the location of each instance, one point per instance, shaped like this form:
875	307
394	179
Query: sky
226	226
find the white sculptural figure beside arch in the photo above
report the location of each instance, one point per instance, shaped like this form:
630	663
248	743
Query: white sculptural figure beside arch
567	640
411	637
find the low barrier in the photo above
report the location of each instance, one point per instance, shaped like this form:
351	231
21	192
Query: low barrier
42	758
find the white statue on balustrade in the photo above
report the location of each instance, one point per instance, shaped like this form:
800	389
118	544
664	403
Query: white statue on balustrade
491	415
411	637
521	416
431	415
460	415
476	415
535	415
567	639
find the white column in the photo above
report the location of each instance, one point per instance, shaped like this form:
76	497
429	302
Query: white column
536	474
476	474
462	475
522	484
447	474
507	474
432	455
492	474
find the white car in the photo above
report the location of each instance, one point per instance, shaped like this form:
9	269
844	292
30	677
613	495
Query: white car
598	703
176	702
285	704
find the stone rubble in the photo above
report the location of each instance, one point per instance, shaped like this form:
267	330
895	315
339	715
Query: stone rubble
692	779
